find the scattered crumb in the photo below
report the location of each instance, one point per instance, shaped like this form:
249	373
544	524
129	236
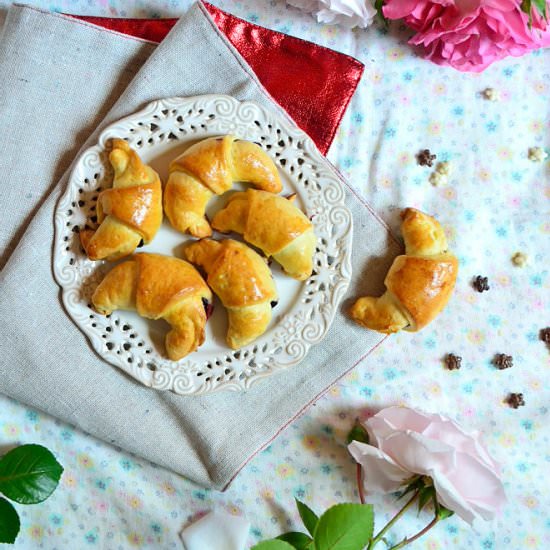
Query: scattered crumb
480	283
519	259
425	158
545	335
502	361
452	361
443	168
515	400
491	94
437	179
537	154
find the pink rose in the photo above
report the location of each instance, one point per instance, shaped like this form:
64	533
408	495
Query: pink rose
410	443
469	35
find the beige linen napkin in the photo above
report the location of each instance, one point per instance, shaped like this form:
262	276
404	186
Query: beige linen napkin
61	79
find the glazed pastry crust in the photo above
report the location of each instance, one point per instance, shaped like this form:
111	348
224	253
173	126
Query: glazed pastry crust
209	168
273	224
159	287
242	281
419	284
129	212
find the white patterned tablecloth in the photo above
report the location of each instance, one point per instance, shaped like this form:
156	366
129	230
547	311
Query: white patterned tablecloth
495	203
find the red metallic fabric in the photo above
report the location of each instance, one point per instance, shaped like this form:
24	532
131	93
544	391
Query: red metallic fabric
312	83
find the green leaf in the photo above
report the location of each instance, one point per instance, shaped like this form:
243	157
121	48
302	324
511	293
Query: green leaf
273	544
358	433
345	527
299	541
29	474
424	496
541	7
309	517
9	522
443	513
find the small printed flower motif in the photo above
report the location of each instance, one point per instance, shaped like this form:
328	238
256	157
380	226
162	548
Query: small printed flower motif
531	502
504	153
537	154
476	337
532	541
519	259
395	54
135	539
90	538
285	470
311	442
449	193
440	89
434	128
507	440
404	159
536	126
490	94
36	532
267	493
11	430
69	480
135	503
85	461
168	488
484	175
32	416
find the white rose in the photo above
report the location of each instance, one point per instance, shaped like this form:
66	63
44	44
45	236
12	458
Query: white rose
411	443
350	13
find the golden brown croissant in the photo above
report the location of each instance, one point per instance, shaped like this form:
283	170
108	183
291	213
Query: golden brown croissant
419	284
209	168
274	225
241	279
128	212
159	287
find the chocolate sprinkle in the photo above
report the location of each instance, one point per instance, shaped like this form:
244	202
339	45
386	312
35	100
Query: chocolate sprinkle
503	361
545	335
481	283
425	158
452	361
515	400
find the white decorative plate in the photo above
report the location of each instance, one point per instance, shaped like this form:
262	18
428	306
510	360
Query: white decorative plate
160	132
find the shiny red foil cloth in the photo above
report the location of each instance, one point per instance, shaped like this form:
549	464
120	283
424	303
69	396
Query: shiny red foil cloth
312	83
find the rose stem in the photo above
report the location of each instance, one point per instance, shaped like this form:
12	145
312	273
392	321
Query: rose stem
377	538
417	536
360	484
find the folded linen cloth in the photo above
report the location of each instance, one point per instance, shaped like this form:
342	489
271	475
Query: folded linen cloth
60	79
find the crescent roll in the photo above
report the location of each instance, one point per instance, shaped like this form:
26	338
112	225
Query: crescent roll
159	287
419	283
129	212
274	225
243	282
209	168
